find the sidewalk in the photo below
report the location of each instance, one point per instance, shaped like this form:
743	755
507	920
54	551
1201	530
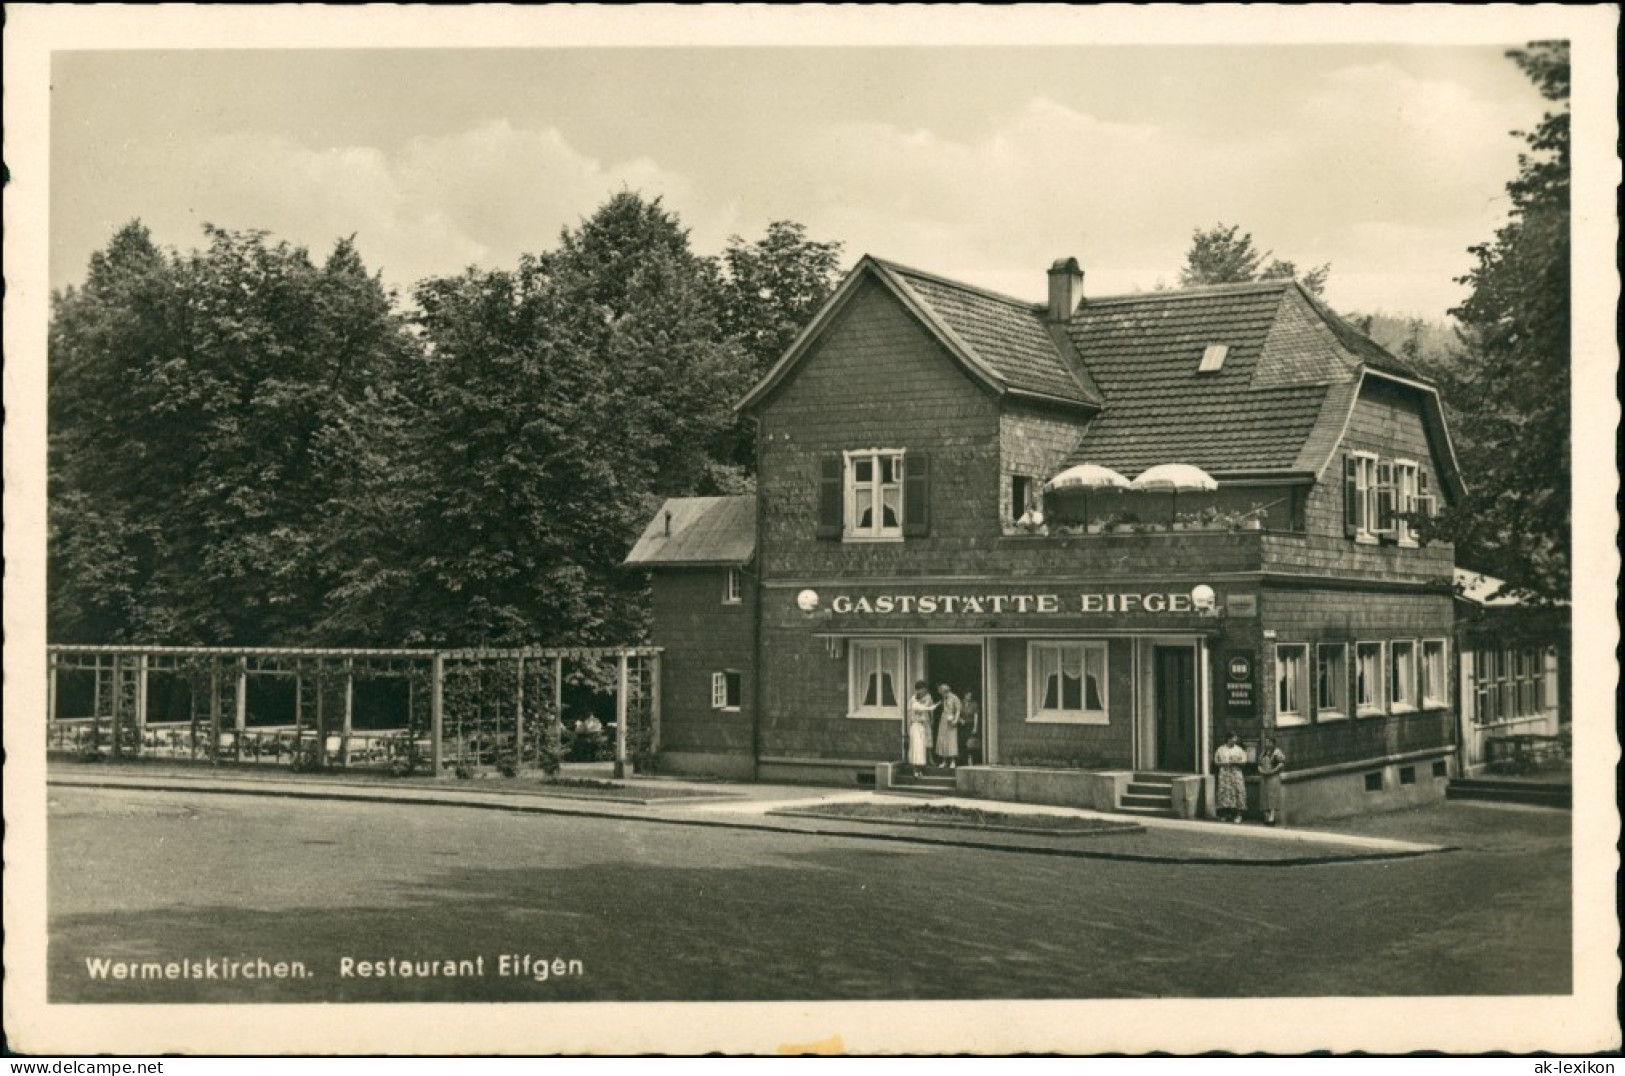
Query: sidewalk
753	806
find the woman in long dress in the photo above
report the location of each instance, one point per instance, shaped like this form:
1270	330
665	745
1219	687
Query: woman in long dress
920	709
1232	791
948	727
1271	763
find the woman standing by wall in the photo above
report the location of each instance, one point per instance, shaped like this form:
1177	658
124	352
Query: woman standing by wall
1232	787
1271	763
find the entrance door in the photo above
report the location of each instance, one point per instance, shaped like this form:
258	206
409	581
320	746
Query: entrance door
959	665
1173	670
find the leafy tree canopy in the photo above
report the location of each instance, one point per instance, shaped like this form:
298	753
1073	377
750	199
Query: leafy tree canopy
203	411
250	447
1224	254
1511	393
770	291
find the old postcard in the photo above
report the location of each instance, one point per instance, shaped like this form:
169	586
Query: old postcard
662	530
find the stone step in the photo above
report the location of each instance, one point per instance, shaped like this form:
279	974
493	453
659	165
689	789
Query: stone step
1140	788
1552	796
1165	780
1148	812
1160	803
933	781
1506	782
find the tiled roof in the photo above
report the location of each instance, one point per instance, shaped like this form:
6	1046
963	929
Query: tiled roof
1365	349
1008	336
702	530
1143	351
1279	402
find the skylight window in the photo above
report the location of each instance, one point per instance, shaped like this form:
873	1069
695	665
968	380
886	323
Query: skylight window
1213	358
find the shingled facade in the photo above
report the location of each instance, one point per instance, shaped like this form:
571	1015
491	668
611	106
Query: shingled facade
901	530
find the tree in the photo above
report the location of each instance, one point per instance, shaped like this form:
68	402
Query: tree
1226	255
194	405
770	290
557	405
773	287
250	448
1510	394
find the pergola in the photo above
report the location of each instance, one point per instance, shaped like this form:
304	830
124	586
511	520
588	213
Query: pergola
345	707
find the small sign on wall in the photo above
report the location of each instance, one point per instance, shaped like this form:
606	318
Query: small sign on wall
1241	605
1239	696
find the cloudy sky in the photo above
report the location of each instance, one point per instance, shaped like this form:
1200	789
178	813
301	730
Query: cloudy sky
983	164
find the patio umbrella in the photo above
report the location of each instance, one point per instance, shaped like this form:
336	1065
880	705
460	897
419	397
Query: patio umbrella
1087	477
1175	478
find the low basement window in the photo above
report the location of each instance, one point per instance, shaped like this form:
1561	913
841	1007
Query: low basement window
1373	782
1441	769
1407	775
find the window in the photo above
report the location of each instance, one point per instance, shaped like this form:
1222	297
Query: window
1426	503
725	690
1435	675
1486	701
1021	496
876	678
1384	500
731	587
1373	782
1360	496
1332	680
1408	496
874	494
1213	357
1291	680
1067	682
1402	676
1368	682
1508	684
1407	775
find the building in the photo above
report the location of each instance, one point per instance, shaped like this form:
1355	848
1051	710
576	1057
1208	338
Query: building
1515	699
905	528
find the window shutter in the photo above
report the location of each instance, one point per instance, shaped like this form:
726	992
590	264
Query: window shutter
1425	504
831	496
1351	496
916	495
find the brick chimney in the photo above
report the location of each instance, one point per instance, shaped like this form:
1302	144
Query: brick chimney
1065	288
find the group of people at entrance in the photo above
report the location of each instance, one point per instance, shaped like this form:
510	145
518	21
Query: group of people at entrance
1232	786
956	722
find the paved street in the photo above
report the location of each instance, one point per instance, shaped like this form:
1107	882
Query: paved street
661	912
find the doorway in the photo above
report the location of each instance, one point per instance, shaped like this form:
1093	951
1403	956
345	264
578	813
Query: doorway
959	665
1173	690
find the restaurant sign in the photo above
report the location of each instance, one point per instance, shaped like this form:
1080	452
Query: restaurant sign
997	604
